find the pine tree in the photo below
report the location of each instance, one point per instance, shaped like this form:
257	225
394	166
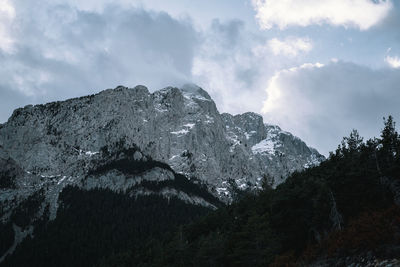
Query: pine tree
389	135
389	142
354	141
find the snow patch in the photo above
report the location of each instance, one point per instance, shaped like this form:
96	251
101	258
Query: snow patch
242	186
312	161
160	110
90	153
235	142
189	125
189	95
86	153
62	179
173	157
248	135
181	132
266	146
241	183
222	191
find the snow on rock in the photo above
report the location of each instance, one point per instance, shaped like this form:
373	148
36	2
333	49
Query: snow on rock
90	153
62	179
223	191
265	146
189	125
181	132
179	126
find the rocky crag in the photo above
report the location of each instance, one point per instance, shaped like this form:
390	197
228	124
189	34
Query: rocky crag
92	142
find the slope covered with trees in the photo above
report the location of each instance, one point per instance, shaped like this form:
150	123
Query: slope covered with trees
92	224
345	207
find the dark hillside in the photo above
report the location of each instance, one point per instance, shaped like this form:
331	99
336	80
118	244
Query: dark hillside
342	208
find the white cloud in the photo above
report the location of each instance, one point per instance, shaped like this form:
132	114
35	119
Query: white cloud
322	103
274	90
7	9
228	68
61	52
394	62
234	65
7	15
361	14
290	46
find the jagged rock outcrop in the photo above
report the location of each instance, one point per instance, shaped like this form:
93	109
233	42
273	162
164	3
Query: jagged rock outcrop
181	127
123	139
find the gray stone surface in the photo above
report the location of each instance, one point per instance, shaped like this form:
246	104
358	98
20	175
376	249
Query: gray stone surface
56	144
48	147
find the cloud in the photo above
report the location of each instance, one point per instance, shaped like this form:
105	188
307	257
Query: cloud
7	15
361	14
60	51
68	48
323	103
234	64
229	67
393	62
290	47
65	49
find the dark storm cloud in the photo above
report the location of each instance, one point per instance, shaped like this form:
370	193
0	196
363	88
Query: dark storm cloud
62	52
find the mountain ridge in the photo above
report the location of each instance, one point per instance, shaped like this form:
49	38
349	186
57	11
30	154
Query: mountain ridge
172	143
175	103
188	111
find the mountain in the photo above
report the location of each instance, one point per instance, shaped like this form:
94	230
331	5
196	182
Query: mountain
170	144
345	212
180	127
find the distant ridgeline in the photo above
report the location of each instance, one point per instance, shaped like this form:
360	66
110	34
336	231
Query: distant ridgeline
343	212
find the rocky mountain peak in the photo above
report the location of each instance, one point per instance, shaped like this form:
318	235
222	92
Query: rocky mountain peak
172	143
178	126
195	90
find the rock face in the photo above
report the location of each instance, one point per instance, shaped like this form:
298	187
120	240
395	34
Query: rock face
180	127
120	138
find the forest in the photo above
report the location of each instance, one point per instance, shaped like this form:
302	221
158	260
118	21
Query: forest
93	224
346	207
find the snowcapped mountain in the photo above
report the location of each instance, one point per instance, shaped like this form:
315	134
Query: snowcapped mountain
93	142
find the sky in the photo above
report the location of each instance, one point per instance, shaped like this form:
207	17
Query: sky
317	68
